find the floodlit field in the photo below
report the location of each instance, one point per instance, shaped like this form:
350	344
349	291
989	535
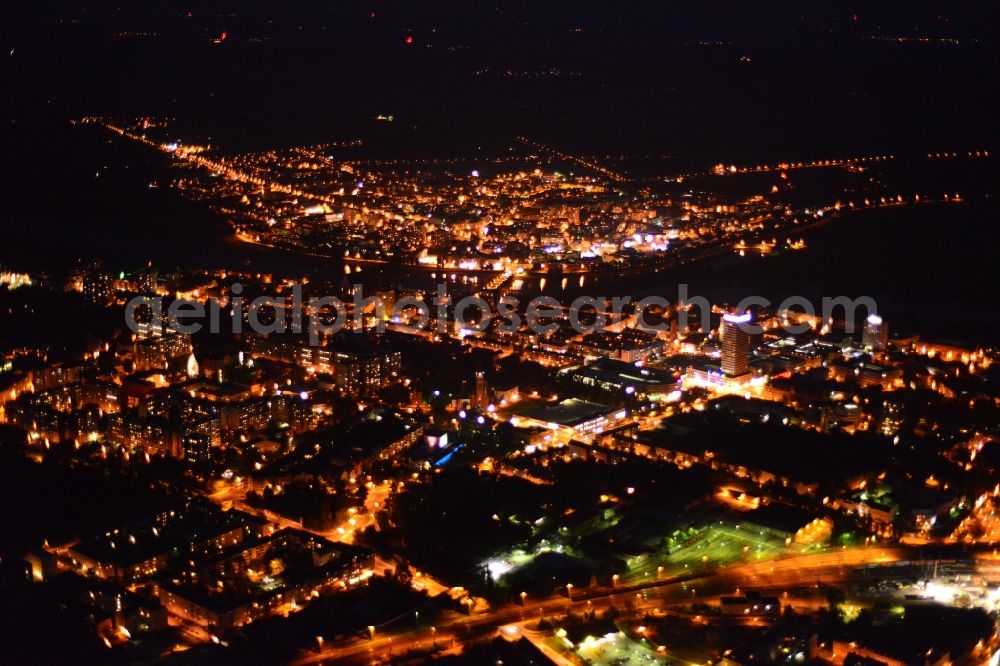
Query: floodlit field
711	546
617	650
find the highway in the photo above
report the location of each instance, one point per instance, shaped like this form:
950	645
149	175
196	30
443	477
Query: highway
800	571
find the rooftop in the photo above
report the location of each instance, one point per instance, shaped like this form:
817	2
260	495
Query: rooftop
569	413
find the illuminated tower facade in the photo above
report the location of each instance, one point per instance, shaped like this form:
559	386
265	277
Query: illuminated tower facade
875	336
482	397
735	344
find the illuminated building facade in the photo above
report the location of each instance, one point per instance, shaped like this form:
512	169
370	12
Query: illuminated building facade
875	336
156	353
735	344
356	373
99	287
482	396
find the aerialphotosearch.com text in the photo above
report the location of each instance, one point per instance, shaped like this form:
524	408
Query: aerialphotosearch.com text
322	316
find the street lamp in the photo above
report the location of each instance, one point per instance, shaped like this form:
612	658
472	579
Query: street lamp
319	643
569	589
523	595
371	632
614	579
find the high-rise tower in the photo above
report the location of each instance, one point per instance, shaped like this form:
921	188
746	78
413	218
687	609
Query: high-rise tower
875	336
735	344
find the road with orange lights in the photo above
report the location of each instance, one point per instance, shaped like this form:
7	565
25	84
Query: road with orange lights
456	630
